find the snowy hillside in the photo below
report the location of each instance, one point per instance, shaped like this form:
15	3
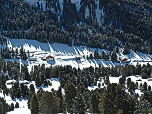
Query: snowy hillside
65	55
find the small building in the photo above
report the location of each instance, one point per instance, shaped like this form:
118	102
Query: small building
48	58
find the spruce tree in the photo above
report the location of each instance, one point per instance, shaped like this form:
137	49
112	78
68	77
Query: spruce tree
17	105
70	93
49	103
12	107
32	88
94	101
34	104
60	96
78	104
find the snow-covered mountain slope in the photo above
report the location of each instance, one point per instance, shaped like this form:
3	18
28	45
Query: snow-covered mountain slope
65	55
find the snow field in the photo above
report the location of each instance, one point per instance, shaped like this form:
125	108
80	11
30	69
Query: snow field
20	111
65	55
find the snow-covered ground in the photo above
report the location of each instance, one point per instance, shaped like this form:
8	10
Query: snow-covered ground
65	55
20	111
23	108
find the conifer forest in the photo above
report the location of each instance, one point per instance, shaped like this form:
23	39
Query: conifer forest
75	56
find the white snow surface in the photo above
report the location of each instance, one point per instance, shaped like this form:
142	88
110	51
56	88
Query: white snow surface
65	55
20	111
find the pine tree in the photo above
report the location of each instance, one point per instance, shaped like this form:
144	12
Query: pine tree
34	104
121	81
114	98
70	93
94	101
131	88
49	103
38	82
106	100
144	87
32	88
117	49
78	104
149	88
26	73
17	105
12	106
128	82
107	80
29	99
96	54
13	93
114	57
60	96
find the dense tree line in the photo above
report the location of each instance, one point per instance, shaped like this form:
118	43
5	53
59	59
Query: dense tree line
127	23
77	97
112	56
112	99
7	53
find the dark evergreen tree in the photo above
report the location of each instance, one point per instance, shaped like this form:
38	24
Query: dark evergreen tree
70	93
17	105
32	88
96	54
12	107
121	81
144	87
61	100
34	104
131	88
94	101
115	98
128	82
49	103
78	104
117	49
